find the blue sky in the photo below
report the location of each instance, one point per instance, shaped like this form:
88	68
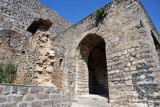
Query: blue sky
76	10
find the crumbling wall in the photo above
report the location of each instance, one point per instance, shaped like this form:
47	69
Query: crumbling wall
41	62
19	14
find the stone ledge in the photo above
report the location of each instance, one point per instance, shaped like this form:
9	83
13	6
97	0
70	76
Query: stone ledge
21	85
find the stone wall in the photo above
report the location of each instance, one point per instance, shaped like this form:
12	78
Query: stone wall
15	18
32	96
132	60
42	62
14	46
19	14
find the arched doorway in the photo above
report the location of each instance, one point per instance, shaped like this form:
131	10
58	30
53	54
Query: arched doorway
91	69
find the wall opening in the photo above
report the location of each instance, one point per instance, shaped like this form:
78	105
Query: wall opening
39	24
92	77
97	66
157	45
60	62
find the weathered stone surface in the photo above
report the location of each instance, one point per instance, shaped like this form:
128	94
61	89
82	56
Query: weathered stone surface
6	90
117	55
38	69
37	104
36	96
23	105
51	53
42	96
24	90
128	45
34	90
30	97
18	98
49	102
49	69
3	99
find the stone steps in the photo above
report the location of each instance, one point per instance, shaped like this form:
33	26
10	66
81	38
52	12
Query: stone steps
91	101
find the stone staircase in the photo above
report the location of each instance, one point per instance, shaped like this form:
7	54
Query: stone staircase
91	101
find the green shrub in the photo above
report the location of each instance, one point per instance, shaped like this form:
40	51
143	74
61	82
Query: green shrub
100	14
8	72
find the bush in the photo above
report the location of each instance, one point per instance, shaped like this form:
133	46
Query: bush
8	72
100	14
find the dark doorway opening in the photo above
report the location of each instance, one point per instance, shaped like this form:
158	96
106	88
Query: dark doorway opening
92	73
98	78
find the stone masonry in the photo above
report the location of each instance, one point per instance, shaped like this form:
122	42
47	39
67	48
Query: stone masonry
131	57
18	15
110	62
32	96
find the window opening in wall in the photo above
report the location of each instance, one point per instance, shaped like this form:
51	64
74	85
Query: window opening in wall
60	62
23	52
39	24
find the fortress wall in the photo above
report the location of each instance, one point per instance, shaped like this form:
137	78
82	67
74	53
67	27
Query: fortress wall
15	17
130	51
32	96
19	14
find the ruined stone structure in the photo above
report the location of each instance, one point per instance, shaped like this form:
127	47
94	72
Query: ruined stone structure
110	62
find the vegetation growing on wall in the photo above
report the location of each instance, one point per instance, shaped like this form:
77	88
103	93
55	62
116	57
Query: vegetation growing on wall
8	71
100	14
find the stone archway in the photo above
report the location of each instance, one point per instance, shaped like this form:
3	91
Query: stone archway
91	68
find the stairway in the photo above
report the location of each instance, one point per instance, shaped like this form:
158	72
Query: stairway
91	101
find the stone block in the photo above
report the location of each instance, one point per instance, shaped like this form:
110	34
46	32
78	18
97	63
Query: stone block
6	90
23	90
2	99
17	98
29	97
23	105
51	53
42	96
129	82
49	69
37	104
8	105
48	102
57	101
47	90
34	90
38	69
54	90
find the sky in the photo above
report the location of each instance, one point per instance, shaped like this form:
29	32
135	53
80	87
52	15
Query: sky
76	10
